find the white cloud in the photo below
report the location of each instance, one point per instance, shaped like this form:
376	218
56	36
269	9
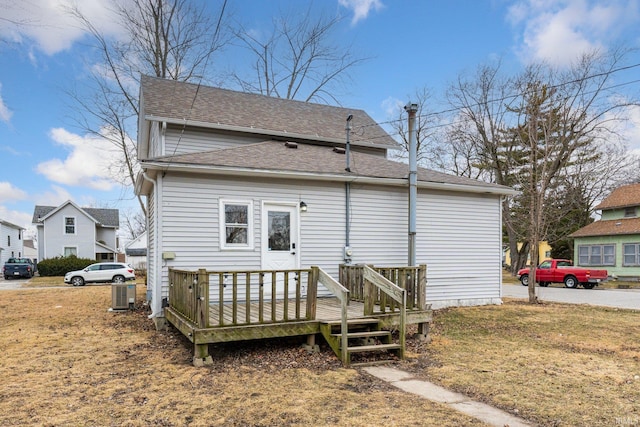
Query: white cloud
561	31
631	130
361	8
392	106
55	197
23	219
48	23
5	113
8	193
87	165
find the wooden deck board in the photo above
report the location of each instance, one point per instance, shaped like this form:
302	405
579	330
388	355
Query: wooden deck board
327	309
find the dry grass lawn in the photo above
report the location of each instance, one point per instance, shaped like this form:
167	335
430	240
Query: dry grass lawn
553	364
67	361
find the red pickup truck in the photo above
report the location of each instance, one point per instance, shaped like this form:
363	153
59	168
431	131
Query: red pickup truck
563	271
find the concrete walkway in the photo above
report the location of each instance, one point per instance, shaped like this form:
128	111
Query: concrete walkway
405	381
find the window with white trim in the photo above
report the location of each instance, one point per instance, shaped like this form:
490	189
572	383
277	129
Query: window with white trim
236	224
597	255
631	254
630	212
70	250
69	225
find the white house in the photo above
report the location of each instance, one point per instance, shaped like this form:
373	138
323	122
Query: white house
69	229
136	252
243	181
11	243
30	250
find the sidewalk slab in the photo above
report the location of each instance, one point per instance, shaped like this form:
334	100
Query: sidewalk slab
427	390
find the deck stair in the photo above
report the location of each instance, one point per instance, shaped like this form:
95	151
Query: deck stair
364	335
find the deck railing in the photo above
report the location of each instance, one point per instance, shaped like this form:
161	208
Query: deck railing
189	295
243	297
411	279
343	296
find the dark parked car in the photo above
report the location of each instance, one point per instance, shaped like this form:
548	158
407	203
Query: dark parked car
18	267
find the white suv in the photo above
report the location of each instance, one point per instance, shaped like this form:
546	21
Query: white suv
114	272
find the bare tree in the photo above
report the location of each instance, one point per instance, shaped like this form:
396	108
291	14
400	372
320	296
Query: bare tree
164	38
562	117
545	133
297	60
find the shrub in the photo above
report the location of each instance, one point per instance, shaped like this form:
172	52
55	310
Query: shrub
60	265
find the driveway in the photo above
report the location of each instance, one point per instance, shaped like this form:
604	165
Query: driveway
6	285
620	298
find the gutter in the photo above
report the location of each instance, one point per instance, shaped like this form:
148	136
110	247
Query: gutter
262	173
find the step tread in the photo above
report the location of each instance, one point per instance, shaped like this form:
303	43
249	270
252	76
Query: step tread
374	347
351	322
364	334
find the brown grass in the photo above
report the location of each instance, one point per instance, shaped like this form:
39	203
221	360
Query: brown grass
553	364
67	361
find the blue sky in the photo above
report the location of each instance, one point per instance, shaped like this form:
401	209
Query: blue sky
46	159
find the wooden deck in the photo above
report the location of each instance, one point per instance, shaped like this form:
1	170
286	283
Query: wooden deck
369	295
327	309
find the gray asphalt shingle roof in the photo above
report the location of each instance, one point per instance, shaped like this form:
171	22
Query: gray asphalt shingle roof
106	217
307	158
259	114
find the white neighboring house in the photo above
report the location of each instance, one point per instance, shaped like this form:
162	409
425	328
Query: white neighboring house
227	174
69	229
30	250
136	252
11	243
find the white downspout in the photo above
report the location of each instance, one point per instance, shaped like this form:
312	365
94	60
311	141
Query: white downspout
156	299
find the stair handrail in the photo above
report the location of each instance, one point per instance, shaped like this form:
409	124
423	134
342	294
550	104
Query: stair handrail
395	292
343	296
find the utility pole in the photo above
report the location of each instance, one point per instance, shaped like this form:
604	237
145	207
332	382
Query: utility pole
412	109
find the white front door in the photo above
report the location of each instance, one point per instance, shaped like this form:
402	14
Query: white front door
280	236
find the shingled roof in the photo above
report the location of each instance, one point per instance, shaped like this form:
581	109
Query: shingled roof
179	103
105	217
609	228
310	159
621	197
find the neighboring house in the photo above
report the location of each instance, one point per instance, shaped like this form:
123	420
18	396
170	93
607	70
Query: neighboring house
30	250
71	230
239	181
544	252
613	242
11	243
136	252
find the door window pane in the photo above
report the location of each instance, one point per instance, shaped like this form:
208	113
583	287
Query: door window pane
279	231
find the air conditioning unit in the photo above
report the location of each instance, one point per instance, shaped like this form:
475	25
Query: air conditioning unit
123	296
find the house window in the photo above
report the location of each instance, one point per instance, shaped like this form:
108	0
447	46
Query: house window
631	252
236	225
8	240
597	255
70	251
69	225
630	212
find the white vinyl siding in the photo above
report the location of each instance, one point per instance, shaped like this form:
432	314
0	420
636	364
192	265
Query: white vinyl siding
192	141
458	236
177	142
12	244
57	238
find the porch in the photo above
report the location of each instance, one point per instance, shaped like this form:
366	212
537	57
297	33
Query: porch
222	306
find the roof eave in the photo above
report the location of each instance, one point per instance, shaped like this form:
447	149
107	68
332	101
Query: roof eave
399	182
